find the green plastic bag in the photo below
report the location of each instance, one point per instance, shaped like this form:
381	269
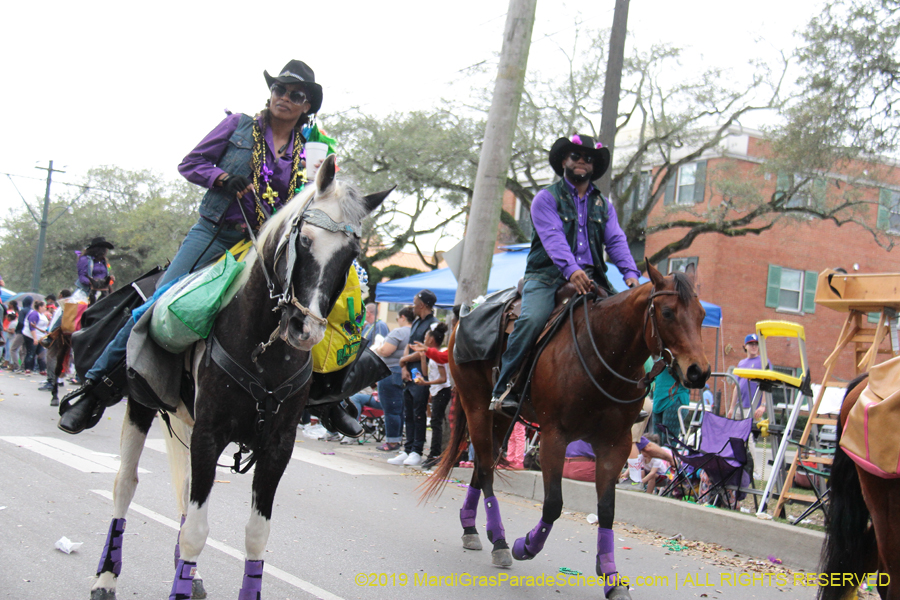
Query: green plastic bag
186	313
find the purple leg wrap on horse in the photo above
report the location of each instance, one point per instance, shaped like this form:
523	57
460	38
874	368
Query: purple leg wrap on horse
470	508
183	584
606	557
252	587
178	541
494	524
529	546
111	559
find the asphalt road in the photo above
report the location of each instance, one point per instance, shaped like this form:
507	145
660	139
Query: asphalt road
341	520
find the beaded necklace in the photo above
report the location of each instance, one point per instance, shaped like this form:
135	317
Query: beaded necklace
261	170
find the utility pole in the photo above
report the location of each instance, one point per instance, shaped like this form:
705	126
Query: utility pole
613	87
42	238
493	165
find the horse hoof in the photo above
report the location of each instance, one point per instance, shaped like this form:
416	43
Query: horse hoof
101	594
501	558
471	541
519	552
620	592
197	589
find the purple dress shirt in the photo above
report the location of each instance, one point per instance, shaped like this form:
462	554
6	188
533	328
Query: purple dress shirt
550	229
199	166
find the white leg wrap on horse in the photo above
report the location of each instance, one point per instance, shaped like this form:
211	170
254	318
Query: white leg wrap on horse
194	532
256	535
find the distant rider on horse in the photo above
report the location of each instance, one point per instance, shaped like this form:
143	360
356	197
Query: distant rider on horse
93	270
573	223
255	161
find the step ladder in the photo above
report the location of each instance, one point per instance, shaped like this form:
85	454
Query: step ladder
767	379
858	295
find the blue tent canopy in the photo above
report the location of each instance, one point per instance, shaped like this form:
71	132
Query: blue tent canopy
6	294
506	270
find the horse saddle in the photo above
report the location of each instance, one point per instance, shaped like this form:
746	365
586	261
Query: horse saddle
481	333
870	433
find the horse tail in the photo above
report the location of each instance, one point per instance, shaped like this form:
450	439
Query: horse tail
177	434
849	541
458	433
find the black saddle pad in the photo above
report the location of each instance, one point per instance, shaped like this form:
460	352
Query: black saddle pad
478	333
101	322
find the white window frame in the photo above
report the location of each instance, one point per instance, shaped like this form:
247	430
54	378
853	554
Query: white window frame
679	264
893	208
692	166
798	309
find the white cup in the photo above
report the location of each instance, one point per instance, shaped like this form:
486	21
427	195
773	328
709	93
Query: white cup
315	153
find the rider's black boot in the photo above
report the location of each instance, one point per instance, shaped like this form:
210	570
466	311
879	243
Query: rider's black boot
84	413
335	418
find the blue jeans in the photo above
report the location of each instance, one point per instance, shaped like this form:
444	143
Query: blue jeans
361	399
538	301
415	409
196	243
390	393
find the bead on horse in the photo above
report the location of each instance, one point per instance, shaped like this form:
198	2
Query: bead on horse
586	384
293	279
862	534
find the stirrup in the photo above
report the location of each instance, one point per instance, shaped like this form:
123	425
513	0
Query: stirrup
497	401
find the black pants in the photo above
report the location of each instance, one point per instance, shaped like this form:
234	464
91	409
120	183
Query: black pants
415	408
439	404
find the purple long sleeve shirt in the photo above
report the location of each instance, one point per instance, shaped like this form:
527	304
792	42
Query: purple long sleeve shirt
549	228
98	272
199	166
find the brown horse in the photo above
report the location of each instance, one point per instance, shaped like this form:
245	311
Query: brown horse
578	394
853	545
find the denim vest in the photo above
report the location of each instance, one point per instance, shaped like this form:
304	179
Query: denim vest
235	161
539	266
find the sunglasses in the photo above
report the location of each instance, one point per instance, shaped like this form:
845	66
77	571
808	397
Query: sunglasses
576	156
296	97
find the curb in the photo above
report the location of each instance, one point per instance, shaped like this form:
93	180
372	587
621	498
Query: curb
797	547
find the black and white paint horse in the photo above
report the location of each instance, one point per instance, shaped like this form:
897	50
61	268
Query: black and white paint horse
306	251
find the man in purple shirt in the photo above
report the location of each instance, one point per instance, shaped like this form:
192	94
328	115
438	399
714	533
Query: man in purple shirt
573	223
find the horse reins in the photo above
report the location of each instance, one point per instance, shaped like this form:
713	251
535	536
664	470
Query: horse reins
659	364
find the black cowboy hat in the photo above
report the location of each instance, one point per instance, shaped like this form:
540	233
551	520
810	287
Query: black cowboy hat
298	71
584	144
100	242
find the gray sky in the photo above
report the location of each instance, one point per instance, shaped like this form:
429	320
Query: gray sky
139	84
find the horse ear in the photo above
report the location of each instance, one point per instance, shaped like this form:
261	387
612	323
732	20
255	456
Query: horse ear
373	201
325	176
690	272
655	276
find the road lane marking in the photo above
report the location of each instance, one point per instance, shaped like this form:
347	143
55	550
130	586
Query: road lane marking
69	454
284	576
339	463
312	457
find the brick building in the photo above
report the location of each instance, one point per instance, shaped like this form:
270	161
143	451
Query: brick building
773	275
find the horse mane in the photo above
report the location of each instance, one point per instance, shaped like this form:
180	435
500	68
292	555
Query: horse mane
684	287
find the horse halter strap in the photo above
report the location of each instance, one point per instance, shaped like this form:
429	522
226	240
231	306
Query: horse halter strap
650	317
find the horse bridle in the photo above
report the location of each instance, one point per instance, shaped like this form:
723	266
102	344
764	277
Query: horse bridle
288	244
659	364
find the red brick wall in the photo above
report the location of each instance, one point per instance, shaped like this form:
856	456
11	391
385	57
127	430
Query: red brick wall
733	272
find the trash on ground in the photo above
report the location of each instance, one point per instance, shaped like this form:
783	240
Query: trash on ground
774	560
592	518
66	545
674	546
568	571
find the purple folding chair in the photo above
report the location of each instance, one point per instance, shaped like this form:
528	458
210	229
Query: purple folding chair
722	455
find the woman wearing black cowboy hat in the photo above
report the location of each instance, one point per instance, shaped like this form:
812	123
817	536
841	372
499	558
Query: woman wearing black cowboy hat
254	161
93	270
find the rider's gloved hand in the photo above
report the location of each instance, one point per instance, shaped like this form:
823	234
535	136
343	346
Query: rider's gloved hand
236	185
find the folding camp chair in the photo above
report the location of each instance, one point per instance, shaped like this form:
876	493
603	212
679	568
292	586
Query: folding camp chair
722	455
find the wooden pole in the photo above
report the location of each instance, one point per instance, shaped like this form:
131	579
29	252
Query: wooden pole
613	87
493	166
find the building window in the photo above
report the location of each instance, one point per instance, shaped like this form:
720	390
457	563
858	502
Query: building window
680	264
791	290
889	211
688	187
808	192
